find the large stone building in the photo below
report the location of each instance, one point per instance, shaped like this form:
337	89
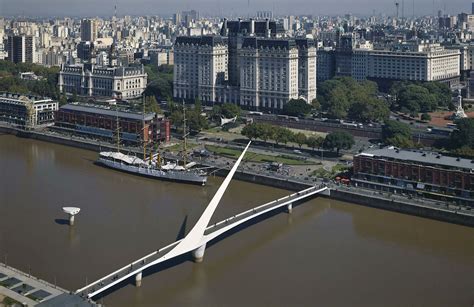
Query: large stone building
248	64
408	61
416	172
424	63
100	121
90	80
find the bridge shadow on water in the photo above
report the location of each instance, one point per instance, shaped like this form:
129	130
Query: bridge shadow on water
168	264
147	272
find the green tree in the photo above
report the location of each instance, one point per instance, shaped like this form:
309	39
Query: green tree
400	141
230	110
151	105
338	140
393	128
266	131
338	103
463	135
176	118
251	131
370	110
425	117
315	104
282	135
415	98
296	107
314	141
300	139
196	121
397	134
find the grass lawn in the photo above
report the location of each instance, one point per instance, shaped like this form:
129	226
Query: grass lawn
254	157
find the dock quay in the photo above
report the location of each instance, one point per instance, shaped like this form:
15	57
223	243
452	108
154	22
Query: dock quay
25	289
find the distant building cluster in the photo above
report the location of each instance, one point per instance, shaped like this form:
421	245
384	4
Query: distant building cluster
260	62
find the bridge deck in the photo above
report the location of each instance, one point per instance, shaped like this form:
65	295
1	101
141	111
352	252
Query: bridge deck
210	233
218	228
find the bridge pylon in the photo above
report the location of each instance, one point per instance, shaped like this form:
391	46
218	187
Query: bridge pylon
198	253
138	279
289	208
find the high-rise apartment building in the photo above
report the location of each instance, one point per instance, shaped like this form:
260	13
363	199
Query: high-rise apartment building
21	49
88	30
248	64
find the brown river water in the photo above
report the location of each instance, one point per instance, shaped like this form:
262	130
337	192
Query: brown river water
326	253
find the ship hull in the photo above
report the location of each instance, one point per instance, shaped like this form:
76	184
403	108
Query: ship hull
176	176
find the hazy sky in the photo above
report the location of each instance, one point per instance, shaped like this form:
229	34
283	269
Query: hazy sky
228	7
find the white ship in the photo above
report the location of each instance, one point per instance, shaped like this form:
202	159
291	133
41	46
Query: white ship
167	171
154	166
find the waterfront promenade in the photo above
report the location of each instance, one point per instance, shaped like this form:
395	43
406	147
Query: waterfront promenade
29	290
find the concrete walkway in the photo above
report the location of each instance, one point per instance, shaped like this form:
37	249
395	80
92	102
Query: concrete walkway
24	288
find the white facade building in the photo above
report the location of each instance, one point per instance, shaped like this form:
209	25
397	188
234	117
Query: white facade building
424	62
268	72
126	82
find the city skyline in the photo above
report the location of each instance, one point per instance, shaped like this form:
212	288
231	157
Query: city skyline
49	8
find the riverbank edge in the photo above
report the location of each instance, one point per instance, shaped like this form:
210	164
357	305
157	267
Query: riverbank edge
372	201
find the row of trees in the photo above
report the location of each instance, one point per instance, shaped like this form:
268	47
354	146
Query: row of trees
334	141
461	141
344	97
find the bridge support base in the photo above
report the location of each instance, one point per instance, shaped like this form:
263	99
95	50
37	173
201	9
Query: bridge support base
198	253
138	279
71	219
289	208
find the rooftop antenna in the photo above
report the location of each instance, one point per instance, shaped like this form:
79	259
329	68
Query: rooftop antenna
248	8
403	9
413	9
397	6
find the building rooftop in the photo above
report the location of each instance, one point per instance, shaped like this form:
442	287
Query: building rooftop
33	98
106	110
423	157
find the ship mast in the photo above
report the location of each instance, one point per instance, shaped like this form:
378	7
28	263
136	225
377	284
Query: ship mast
184	135
143	131
117	128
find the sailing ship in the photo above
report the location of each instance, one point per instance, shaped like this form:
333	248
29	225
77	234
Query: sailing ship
154	166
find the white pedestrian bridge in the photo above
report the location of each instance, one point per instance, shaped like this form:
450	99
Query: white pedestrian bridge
201	233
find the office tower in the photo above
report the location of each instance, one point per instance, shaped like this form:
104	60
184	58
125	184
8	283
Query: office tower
85	50
21	49
88	30
177	19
